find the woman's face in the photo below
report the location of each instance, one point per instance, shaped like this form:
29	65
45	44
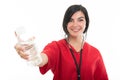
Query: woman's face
76	25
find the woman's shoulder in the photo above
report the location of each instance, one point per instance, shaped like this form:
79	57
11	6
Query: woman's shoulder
60	41
54	45
91	47
91	50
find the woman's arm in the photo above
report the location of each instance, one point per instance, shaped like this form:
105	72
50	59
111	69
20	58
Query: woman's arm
100	72
44	59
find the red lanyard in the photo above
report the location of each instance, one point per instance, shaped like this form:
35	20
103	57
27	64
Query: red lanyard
78	66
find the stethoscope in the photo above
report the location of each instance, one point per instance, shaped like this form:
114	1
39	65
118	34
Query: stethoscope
78	66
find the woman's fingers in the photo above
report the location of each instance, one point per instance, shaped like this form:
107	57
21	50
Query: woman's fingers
23	55
18	47
20	50
22	46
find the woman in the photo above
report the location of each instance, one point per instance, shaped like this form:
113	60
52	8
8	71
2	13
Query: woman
71	58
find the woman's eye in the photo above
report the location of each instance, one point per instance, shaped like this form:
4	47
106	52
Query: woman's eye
80	20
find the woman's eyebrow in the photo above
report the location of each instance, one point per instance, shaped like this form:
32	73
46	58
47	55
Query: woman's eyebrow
81	17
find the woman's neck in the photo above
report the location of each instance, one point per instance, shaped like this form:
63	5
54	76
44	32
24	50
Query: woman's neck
76	42
75	39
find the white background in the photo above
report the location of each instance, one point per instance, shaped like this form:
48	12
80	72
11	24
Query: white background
44	18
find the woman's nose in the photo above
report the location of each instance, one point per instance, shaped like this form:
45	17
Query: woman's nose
75	23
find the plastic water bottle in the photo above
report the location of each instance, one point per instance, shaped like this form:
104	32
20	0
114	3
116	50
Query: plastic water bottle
29	44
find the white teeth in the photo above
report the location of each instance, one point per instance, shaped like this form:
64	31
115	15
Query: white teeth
75	30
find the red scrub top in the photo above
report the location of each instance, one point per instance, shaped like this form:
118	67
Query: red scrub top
61	62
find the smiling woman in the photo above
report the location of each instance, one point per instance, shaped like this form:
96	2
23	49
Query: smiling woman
76	25
71	58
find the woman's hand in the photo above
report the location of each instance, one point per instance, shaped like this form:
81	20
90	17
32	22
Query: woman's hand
21	51
27	51
22	46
